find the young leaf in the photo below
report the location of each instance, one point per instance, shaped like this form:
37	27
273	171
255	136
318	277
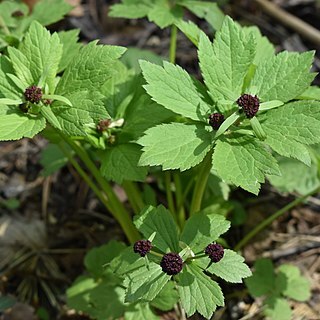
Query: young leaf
202	229
277	308
243	161
231	267
121	163
17	125
297	286
225	63
145	284
50	116
198	292
172	87
190	29
262	281
175	145
159	220
283	77
297	122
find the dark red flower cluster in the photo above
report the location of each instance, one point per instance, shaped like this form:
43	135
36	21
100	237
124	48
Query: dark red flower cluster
171	263
214	251
142	247
103	125
33	94
215	120
249	104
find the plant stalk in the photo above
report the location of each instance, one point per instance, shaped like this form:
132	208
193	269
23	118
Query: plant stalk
134	196
201	184
167	179
265	223
173	44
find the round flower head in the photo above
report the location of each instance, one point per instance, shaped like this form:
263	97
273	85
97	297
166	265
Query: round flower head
214	251
171	263
103	125
142	247
33	94
249	104
215	120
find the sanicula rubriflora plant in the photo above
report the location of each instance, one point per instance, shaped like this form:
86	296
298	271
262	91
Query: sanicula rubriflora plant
228	128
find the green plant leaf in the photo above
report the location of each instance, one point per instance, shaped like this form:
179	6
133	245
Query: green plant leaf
198	292
283	77
292	126
167	297
159	220
172	87
202	229
190	30
145	284
297	286
230	268
277	309
140	311
130	9
58	8
312	93
43	53
96	259
121	163
70	47
175	145
225	63
7	88
295	176
50	116
15	126
243	161
52	159
262	281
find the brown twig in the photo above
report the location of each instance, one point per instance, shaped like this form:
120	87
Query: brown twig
301	27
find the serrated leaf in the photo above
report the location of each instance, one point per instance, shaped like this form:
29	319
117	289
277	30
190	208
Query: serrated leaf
283	77
167	297
175	145
312	93
202	229
225	63
295	176
206	10
243	161
58	8
163	15
198	292
121	163
70	47
145	284
291	126
96	259
17	125
277	309
262	281
52	159
190	30
89	69
140	311
50	116
160	221
172	87
230	268
130	9
43	53
297	286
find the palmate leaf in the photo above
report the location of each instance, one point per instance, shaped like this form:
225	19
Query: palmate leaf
172	87
160	221
198	292
283	77
291	127
225	63
243	161
175	145
202	229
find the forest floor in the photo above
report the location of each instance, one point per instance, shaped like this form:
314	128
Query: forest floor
59	216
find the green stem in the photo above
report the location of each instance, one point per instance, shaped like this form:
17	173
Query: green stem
179	195
173	44
167	180
134	196
270	219
201	183
4	26
114	205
